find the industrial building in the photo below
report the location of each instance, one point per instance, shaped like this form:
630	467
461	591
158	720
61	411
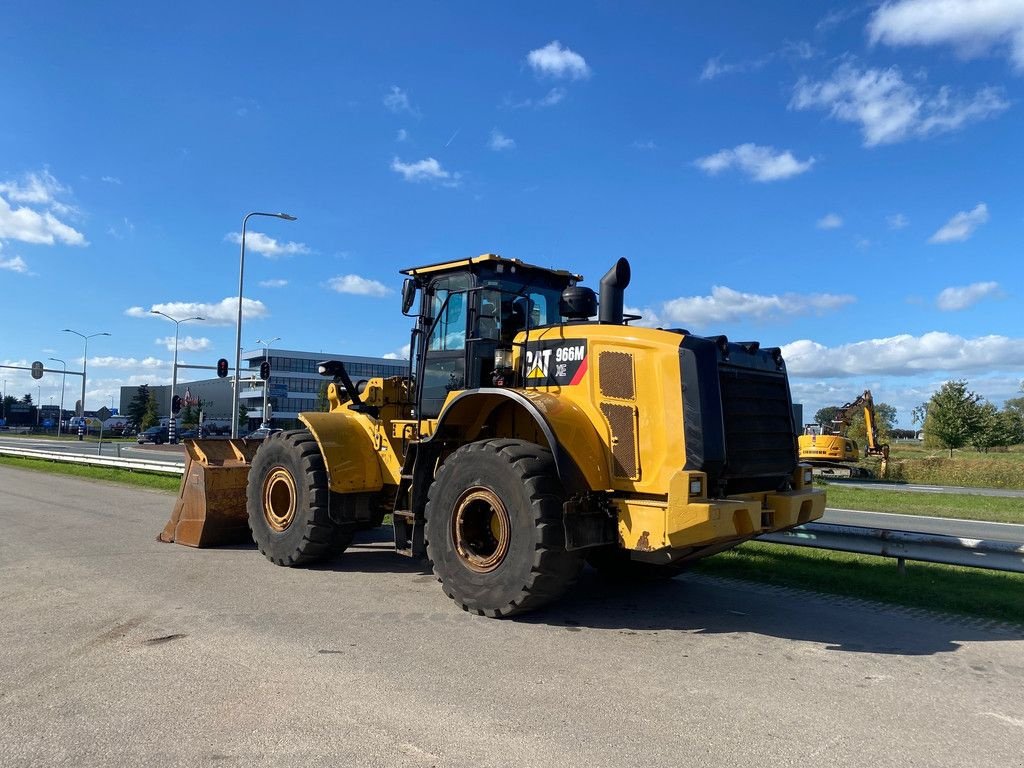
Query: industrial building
294	385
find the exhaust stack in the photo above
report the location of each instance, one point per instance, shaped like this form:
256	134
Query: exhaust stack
613	287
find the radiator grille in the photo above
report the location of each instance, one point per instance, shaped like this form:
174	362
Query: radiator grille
622	420
616	375
759	438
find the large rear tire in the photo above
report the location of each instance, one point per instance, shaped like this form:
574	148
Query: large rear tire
287	498
494	529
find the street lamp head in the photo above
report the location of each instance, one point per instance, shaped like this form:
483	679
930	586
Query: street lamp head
286	216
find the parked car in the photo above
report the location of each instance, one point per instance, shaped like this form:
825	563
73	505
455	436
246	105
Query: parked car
155	435
191	434
262	433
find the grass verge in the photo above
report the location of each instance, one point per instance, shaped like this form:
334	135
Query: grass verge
961	506
127	477
965	591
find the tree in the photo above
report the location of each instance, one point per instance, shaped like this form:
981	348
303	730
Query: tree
27	399
136	410
189	416
954	415
826	415
987	433
918	414
322	404
152	415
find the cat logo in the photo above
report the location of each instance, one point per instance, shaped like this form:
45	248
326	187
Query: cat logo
537	363
558	363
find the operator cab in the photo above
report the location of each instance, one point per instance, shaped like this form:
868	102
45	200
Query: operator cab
470	311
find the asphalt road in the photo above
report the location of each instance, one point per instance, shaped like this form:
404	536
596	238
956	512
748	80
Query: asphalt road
946	526
172	454
120	650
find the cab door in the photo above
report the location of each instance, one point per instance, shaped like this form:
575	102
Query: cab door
443	364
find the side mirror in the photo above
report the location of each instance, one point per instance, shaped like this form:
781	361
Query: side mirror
408	294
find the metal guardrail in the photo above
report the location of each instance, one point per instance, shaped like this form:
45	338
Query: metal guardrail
906	545
882	542
139	465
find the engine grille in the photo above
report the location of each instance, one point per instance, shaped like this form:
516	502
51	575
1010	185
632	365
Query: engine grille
757	422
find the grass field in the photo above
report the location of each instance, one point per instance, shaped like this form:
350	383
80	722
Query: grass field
140	479
966	591
960	506
913	463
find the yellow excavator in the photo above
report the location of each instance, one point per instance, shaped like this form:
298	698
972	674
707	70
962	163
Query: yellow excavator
830	452
531	434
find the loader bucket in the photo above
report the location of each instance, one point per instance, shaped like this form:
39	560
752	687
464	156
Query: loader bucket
210	509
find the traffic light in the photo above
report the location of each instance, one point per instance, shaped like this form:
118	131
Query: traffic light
222	367
265	370
176	404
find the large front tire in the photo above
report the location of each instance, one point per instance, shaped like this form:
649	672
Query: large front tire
287	497
494	528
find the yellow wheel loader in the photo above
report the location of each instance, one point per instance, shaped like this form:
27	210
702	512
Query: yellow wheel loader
532	433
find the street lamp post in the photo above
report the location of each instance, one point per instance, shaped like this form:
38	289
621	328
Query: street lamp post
63	378
238	324
171	431
39	403
266	352
85	358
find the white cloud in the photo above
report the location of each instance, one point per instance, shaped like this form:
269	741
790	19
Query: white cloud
897	221
554	60
961	226
15	264
973	27
725	305
500	141
551	98
34	217
128	362
904	355
361	286
397	101
224	312
427	169
830	221
402	135
963	296
36	189
110	179
888	109
275	283
401	354
644	145
266	245
648	317
760	163
715	67
187	344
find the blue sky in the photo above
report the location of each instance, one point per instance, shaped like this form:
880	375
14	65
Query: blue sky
839	180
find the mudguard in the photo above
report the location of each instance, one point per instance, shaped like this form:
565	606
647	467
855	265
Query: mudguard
580	456
347	446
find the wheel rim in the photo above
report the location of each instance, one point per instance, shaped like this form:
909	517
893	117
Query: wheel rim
481	530
279	499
